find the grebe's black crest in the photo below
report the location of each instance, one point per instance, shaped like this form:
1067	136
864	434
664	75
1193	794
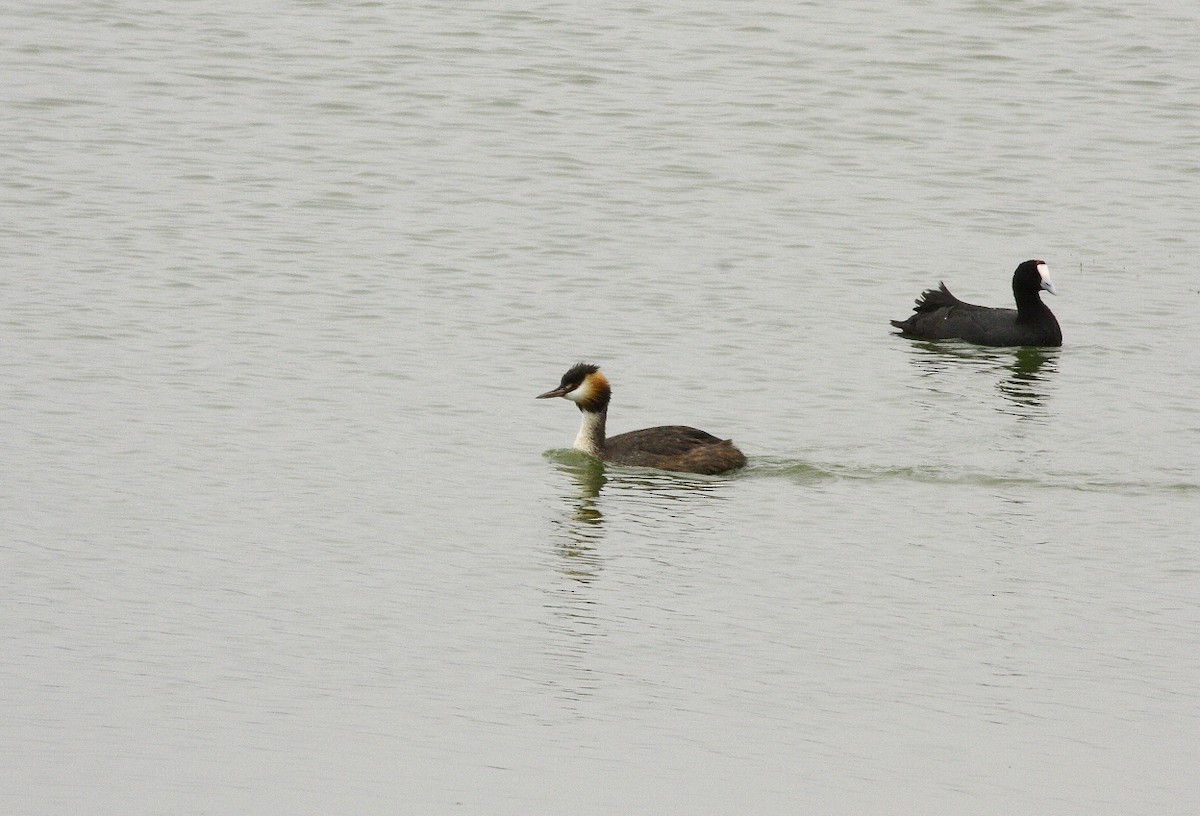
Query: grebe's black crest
577	373
939	315
669	447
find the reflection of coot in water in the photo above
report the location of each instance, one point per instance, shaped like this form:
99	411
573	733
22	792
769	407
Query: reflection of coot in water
668	447
939	315
1026	382
1025	371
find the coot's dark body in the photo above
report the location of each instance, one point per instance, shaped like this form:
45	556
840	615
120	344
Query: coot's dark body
939	315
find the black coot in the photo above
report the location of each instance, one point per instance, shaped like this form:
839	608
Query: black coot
939	315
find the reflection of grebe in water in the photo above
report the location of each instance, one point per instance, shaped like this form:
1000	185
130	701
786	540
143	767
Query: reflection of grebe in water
581	529
668	447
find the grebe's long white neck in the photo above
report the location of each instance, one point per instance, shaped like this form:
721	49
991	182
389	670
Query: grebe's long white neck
591	433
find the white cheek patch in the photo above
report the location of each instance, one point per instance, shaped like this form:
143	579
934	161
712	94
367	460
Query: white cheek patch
581	393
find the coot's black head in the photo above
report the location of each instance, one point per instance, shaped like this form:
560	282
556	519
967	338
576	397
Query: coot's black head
584	385
1030	278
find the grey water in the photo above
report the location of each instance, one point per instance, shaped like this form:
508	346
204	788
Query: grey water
283	530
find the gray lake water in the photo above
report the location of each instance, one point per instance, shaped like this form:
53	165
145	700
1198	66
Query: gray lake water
283	530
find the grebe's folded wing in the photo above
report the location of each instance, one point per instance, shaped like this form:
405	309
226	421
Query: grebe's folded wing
665	440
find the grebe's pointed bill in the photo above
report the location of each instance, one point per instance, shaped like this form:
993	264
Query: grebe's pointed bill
561	391
1045	275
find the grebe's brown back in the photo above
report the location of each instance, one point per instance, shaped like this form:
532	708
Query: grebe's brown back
668	447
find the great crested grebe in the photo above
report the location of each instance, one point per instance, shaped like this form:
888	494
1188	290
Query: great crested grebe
939	315
668	447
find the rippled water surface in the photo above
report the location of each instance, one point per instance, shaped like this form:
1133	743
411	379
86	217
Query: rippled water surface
283	529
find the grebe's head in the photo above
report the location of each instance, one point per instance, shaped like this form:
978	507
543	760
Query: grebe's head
583	385
1033	276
